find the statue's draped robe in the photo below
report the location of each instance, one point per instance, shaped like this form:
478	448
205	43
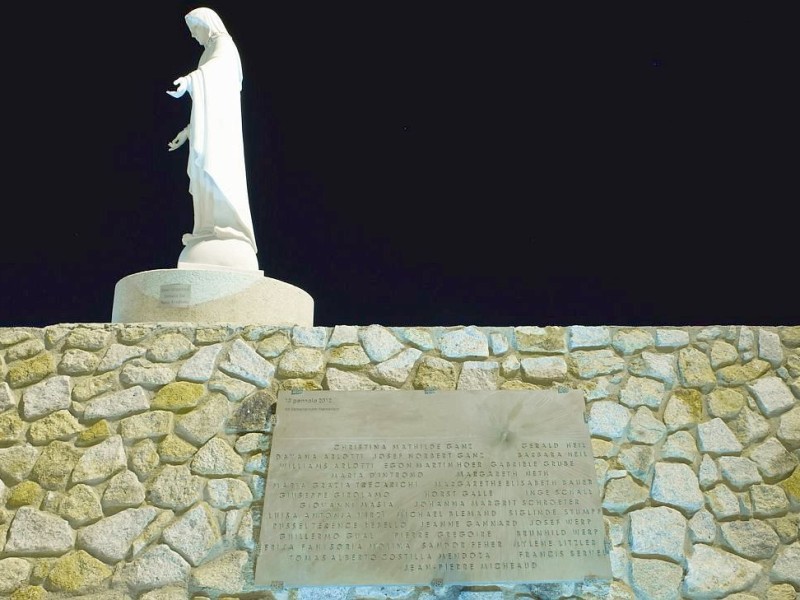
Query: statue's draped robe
217	180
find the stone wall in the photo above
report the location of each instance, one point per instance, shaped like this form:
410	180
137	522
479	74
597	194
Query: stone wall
132	457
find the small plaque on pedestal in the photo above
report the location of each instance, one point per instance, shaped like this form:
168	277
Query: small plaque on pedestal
416	488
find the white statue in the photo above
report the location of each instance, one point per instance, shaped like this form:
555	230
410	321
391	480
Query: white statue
223	228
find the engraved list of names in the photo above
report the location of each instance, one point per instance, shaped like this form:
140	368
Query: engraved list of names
416	488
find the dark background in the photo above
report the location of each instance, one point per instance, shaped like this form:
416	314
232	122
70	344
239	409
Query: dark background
421	163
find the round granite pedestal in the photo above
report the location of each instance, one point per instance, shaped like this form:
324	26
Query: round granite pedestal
208	296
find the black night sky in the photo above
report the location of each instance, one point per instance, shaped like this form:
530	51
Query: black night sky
421	163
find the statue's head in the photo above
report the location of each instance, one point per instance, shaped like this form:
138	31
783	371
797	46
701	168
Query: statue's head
204	24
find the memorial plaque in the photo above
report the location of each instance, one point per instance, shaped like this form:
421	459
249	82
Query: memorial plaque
176	294
418	488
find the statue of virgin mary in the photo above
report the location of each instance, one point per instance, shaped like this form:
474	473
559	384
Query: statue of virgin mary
223	228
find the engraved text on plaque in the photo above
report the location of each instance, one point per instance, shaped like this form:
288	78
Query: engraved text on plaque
410	487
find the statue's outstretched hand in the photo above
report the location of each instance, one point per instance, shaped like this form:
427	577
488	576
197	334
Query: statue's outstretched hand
179	140
183	84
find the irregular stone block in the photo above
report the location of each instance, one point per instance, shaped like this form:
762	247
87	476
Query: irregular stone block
540	340
658	531
789	428
479	375
169	348
498	343
143	458
543	369
632	341
715	573
656	366
87	339
419	338
173	450
12	428
193	534
621	495
158	567
117	355
741	374
118	404
223	575
7	398
301	362
655	579
676	485
200	425
592	363
77	572
37	533
725	403
60	425
349	357
55	463
311	337
787	566
178	396
78	362
24	350
749	427
379	343
13	573
88	388
46	397
708	473
253	414
174	488
123	491
435	374
714	437
146	375
768	500
228	493
671	339
645	428
722	502
343	335
769	347
153	424
581	336
641	391
739	472
680	446
751	539
100	462
772	395
608	419
343	380
244	363
702	527
722	354
396	370
200	367
16	462
234	389
217	458
637	460
773	460
80	506
464	344
30	371
695	370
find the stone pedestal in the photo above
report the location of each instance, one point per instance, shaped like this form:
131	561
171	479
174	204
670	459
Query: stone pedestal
210	296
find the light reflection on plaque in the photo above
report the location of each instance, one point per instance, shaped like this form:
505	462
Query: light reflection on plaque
415	488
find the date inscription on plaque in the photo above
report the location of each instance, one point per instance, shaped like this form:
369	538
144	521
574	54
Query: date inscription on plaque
417	488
